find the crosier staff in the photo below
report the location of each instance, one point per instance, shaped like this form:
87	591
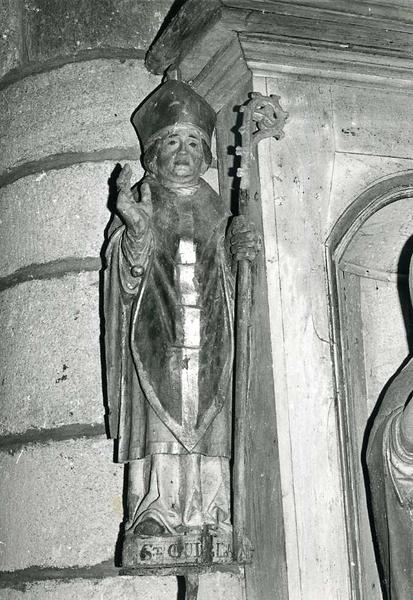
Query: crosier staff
263	117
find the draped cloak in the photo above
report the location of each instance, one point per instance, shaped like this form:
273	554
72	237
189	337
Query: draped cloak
390	472
144	328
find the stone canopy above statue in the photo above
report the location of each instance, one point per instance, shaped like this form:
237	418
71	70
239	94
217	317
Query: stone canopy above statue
330	37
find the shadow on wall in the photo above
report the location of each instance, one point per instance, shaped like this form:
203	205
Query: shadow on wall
111	205
404	296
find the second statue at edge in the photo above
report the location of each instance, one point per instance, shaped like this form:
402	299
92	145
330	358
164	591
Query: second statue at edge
169	333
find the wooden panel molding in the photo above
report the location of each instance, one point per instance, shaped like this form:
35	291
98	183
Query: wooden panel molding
348	40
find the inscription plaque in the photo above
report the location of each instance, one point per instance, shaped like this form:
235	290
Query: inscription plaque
193	549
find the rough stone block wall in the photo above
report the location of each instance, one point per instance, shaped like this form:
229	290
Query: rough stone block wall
71	75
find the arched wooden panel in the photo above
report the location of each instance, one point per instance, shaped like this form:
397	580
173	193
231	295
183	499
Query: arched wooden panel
367	262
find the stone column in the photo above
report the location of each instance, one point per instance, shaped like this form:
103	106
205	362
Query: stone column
72	73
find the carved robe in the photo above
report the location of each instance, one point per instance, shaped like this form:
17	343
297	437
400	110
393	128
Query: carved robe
146	353
390	470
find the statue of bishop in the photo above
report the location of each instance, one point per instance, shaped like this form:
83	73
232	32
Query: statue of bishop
169	336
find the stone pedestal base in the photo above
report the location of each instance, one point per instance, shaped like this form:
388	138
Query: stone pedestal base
206	548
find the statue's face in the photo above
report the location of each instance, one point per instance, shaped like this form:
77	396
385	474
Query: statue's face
180	159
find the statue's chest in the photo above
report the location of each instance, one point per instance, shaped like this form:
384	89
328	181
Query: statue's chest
184	218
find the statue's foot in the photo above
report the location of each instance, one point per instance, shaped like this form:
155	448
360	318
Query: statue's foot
149	527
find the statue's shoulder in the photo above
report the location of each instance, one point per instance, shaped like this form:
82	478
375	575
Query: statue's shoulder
213	198
207	189
400	388
398	391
